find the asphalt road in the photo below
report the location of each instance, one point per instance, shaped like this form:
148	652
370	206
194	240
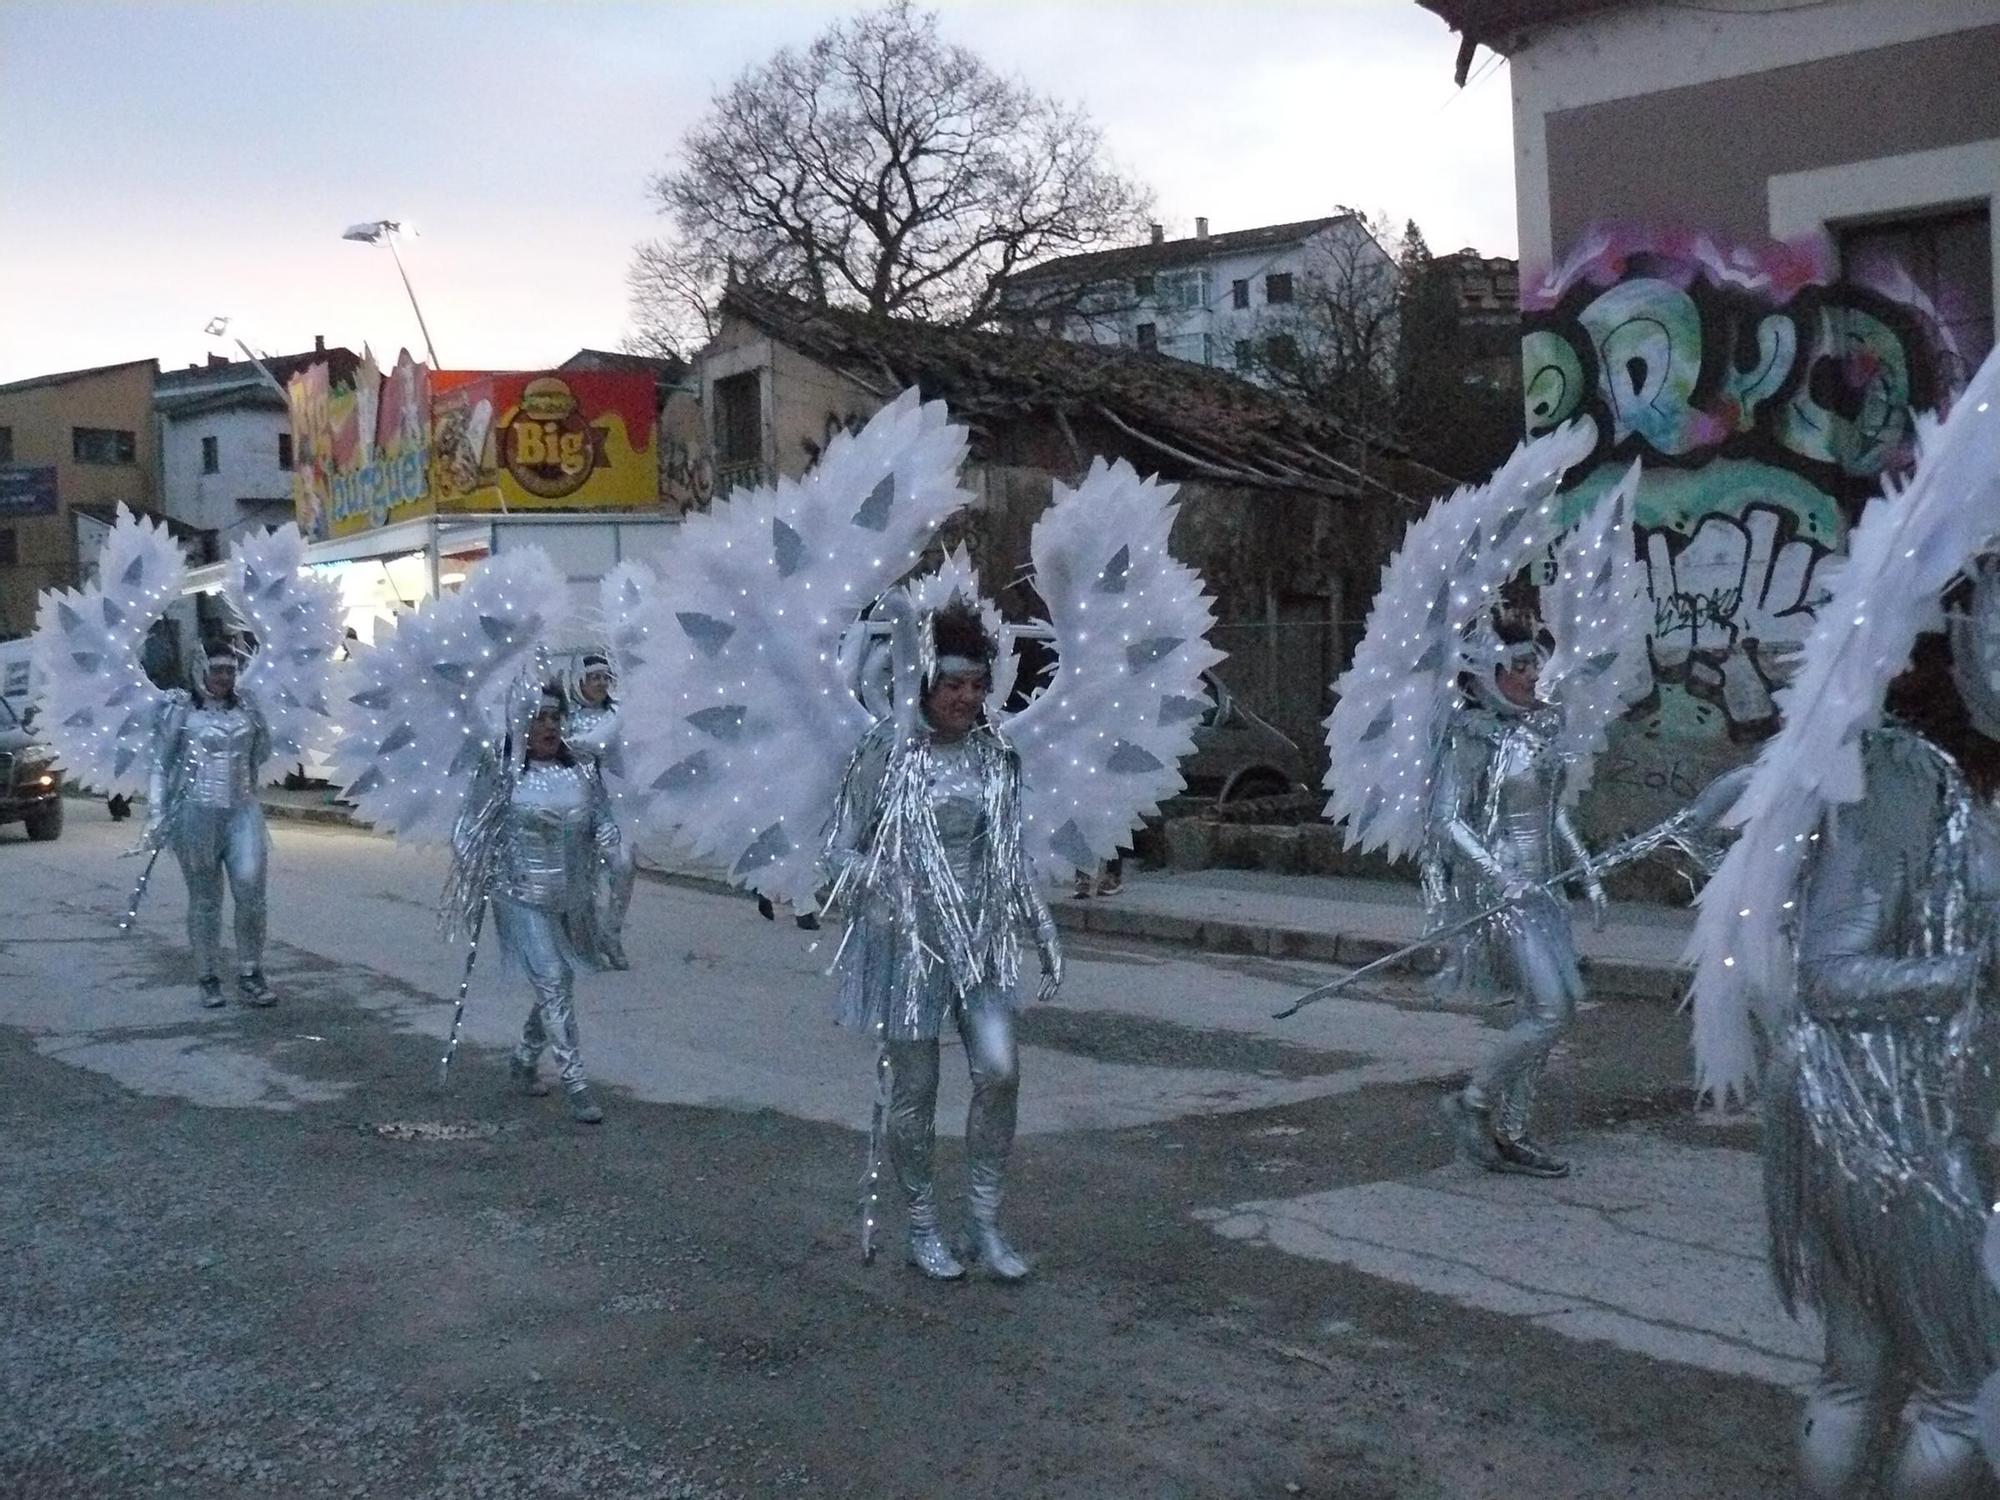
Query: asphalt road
260	1253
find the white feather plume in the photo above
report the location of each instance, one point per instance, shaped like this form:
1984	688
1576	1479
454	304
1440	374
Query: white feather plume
296	618
1445	578
97	704
1597	609
1102	744
1909	547
431	694
739	715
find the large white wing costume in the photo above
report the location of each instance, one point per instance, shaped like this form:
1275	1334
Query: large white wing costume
753	659
98	704
428	698
1423	631
1911	543
740	716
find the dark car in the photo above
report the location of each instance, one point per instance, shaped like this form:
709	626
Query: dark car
30	786
1237	755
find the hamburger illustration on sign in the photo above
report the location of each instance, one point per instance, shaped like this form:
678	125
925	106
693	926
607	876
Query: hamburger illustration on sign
546	444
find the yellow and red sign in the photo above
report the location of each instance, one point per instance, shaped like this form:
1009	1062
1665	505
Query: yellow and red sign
426	441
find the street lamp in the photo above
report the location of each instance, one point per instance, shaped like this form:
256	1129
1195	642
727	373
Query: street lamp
384	232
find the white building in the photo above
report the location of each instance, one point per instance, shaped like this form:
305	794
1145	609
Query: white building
226	460
1210	298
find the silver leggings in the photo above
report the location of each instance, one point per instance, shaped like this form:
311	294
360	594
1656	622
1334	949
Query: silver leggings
210	843
1864	1383
1547	987
534	937
994	1059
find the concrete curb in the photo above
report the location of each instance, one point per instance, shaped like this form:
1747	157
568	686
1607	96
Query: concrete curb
1624	978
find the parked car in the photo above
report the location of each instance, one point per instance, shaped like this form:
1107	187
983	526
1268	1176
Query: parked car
30	787
1237	755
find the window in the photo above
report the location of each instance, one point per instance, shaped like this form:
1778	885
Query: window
1184	290
1142	286
211	455
10	552
1949	256
1239	294
739	419
284	450
102	445
1245	354
6	445
1278	287
1282	350
1149	336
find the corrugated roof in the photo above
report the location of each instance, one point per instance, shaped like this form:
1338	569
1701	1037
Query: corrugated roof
1168	253
1499	24
1213	424
664	367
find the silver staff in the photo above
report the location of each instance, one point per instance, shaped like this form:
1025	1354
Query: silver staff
464	984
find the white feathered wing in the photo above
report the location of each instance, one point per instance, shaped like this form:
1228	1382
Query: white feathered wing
297	621
431	695
1911	543
1101	746
739	714
1382	733
97	705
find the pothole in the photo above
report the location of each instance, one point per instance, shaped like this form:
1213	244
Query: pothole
433	1130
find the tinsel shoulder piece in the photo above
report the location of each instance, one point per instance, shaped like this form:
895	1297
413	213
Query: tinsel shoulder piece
1383	735
739	714
431	697
98	706
1102	744
1596	608
1910	545
296	618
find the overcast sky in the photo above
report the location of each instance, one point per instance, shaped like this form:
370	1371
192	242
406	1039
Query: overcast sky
163	162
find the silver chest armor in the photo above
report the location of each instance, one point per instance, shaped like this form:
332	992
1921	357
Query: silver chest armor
546	848
1525	783
219	744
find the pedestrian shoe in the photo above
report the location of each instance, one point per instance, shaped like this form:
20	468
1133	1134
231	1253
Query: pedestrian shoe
583	1109
614	954
526	1079
990	1250
1525	1157
929	1254
1472	1130
211	993
252	990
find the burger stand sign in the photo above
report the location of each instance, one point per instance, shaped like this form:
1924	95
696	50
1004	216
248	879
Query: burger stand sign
447	441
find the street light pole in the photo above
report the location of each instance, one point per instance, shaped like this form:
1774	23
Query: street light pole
384	232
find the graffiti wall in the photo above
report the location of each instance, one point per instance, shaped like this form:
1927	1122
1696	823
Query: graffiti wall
1765	399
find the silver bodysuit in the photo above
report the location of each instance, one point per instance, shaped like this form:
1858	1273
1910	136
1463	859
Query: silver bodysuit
592	734
1498	811
1875	1103
202	800
926	851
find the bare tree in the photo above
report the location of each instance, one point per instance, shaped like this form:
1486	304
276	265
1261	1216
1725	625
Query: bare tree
1335	345
882	168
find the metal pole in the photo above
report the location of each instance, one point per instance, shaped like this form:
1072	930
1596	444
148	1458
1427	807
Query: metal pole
139	890
389	236
464	984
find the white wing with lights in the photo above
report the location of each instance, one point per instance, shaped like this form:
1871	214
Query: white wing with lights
431	694
1596	607
739	708
1382	735
1101	745
98	706
296	619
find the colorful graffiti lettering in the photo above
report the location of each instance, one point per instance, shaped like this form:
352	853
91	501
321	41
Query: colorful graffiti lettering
1765	399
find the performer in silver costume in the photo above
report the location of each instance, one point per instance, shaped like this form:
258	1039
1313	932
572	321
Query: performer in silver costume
209	745
925	852
1497	809
591	732
1877	1100
528	840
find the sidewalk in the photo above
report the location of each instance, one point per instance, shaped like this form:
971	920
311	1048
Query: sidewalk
1325	918
1342	920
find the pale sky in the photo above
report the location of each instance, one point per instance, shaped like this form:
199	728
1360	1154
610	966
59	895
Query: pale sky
163	162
